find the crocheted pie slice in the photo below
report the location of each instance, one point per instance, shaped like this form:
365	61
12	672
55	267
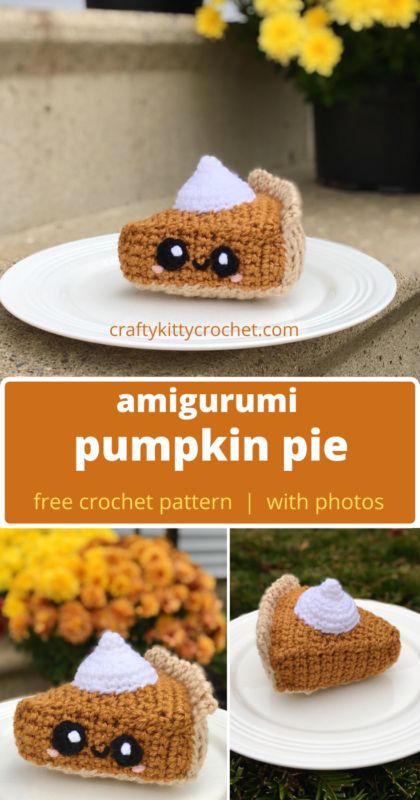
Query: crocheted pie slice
156	733
298	646
224	238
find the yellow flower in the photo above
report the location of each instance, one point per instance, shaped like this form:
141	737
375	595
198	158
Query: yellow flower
316	17
321	50
210	23
397	13
6	578
356	13
25	581
58	583
267	7
14	605
95	569
280	37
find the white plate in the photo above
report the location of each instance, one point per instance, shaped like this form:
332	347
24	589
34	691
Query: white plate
77	290
19	779
359	725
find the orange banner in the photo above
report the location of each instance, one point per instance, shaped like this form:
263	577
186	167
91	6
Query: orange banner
204	452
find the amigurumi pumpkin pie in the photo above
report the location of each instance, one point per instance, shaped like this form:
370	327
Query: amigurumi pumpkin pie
315	638
224	238
124	716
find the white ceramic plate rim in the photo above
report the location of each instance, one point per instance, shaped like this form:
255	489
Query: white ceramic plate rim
385	287
315	758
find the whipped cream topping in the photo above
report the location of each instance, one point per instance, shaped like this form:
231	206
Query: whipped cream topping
328	608
114	667
213	187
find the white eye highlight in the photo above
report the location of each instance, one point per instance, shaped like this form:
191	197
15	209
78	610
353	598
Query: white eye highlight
176	251
223	259
74	736
126	749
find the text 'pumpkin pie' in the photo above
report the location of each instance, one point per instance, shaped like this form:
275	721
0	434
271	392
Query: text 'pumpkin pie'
316	638
124	716
224	238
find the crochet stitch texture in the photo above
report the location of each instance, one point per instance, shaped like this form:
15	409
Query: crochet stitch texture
299	658
154	734
327	608
114	667
251	246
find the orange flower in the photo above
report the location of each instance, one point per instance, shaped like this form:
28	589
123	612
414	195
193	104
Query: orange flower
125	579
205	649
185	571
115	555
93	596
187	649
154	552
180	591
192	622
117	616
149	605
205	581
160	572
123	608
219	639
45	619
195	601
169	630
74	622
19	627
170	603
136	545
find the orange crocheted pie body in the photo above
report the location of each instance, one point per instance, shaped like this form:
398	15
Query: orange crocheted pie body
304	659
250	233
158	717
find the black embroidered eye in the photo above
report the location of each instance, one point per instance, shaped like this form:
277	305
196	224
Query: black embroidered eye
69	738
224	261
126	751
171	254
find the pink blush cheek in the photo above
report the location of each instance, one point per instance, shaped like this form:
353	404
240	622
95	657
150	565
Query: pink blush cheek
237	277
53	753
157	269
139	768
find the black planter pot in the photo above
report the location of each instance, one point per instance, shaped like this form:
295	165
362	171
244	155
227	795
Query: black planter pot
168	6
374	144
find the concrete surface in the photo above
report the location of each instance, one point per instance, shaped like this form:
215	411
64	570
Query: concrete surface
385	227
99	109
16	675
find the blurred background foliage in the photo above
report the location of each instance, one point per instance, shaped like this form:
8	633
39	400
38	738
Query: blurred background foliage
61	589
378	564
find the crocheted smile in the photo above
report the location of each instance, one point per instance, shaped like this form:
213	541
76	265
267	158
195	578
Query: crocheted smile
224	237
123	716
69	738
